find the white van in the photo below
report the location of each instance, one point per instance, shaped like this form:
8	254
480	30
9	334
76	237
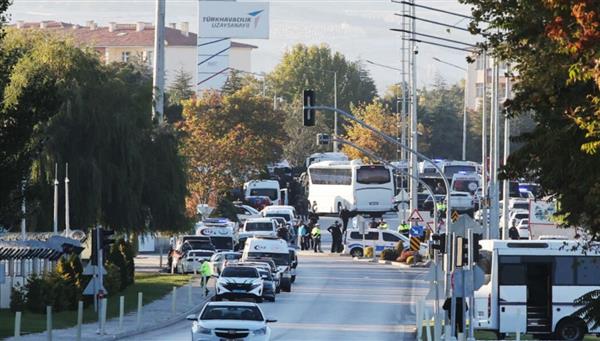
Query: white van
380	239
269	188
274	248
531	286
284	211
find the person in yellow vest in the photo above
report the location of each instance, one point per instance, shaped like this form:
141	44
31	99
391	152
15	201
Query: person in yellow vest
206	273
441	208
316	236
404	228
383	225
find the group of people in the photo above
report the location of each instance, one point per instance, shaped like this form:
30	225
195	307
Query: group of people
309	236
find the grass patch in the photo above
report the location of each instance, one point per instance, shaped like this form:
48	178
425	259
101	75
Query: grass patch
152	285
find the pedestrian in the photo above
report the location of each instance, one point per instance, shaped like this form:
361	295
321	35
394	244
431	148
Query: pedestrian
383	225
301	233
283	233
513	233
336	237
316	236
458	313
404	228
345	217
206	273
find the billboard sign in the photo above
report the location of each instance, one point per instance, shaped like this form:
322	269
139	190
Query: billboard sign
231	19
541	212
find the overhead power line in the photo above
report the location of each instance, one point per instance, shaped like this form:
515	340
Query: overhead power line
432	22
433	9
434	37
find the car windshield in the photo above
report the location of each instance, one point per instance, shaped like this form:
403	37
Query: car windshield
222	243
230	256
223	312
269	192
280	259
266	226
266	275
285	216
243	272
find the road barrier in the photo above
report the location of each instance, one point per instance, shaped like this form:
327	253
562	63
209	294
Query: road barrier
174	300
49	322
79	320
139	312
121	311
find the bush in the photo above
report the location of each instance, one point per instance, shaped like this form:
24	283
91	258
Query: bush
39	294
368	252
226	209
404	255
410	259
116	257
399	247
17	298
389	254
112	281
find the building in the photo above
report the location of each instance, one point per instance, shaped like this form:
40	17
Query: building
475	77
126	42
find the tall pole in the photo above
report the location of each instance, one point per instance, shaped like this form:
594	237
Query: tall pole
464	137
67	219
23	212
505	182
335	117
413	118
495	159
55	216
158	69
484	174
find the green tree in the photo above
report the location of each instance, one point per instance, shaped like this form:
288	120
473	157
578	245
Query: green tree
557	88
311	67
181	88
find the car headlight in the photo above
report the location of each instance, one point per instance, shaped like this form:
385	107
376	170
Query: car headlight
256	285
260	331
197	329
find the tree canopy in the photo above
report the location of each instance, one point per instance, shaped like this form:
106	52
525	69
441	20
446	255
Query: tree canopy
552	47
61	104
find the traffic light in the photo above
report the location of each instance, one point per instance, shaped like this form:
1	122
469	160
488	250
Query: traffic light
106	240
94	255
476	247
309	114
439	242
462	252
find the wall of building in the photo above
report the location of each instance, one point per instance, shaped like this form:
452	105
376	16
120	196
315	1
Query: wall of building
241	58
180	58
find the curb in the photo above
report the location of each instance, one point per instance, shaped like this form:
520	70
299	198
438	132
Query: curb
169	322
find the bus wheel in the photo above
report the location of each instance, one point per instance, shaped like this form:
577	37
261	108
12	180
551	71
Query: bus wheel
570	329
356	252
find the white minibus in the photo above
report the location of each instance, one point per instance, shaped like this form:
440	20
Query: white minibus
334	185
531	287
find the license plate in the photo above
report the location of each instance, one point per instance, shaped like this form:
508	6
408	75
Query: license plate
374	203
239	291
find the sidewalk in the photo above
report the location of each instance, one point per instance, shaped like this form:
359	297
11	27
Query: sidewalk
155	315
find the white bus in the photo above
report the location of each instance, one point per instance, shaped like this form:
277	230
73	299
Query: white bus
328	156
452	167
531	286
334	185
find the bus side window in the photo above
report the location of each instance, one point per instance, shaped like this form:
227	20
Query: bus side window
512	274
588	270
564	271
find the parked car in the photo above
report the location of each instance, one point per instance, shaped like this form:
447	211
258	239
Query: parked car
269	264
239	282
221	259
269	285
230	321
246	212
462	202
193	259
523	227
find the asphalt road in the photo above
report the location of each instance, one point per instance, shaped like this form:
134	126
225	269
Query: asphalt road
336	298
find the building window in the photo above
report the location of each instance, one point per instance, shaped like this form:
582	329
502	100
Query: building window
479	63
125	56
479	90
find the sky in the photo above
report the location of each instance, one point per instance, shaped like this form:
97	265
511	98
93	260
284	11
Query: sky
359	29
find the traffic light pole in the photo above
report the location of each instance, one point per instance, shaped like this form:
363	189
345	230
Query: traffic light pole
310	110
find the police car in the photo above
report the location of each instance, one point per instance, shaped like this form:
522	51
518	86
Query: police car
378	239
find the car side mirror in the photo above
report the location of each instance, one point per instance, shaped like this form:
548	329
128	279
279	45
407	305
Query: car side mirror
192	317
270	321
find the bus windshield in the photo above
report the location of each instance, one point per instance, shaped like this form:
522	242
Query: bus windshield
372	175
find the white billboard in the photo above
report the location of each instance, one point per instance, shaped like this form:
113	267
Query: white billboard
231	19
541	212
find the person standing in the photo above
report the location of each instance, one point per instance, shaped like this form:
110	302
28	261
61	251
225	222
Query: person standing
206	273
316	236
336	237
301	237
513	233
404	228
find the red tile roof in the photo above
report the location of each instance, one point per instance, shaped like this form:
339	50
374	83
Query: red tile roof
122	35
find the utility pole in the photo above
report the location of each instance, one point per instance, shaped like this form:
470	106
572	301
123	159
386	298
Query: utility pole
464	137
335	117
55	215
23	212
413	116
505	182
158	69
67	219
494	151
484	173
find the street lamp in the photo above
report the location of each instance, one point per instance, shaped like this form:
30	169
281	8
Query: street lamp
464	134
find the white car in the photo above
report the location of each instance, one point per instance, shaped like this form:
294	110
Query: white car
221	259
523	227
245	212
230	321
461	201
239	282
258	227
380	239
193	259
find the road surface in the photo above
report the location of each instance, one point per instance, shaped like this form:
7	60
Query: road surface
337	298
